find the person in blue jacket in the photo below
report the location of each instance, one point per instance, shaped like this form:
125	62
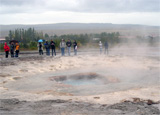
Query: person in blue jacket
47	46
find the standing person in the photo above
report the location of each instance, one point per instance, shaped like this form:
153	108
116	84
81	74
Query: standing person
47	46
53	47
75	47
100	46
17	50
12	49
62	46
69	44
106	47
6	49
40	48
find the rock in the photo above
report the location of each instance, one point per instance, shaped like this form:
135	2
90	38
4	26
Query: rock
96	97
136	100
150	102
124	100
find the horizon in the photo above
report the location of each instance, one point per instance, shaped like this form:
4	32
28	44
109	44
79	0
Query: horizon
78	23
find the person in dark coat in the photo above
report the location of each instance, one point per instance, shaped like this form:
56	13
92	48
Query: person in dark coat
40	48
6	49
53	47
106	47
75	47
12	49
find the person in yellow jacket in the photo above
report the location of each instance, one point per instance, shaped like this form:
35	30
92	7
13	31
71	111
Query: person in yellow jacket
17	50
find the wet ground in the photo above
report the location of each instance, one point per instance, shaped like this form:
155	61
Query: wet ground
83	84
113	73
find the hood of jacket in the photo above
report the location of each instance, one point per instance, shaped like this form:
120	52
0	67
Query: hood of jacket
6	47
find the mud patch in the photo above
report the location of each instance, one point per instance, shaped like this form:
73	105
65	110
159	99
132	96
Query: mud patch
7	63
23	70
31	58
17	78
4	75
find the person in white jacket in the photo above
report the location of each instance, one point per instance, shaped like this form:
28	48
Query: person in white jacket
62	46
100	47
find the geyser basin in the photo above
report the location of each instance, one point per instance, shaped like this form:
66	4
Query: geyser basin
82	82
84	79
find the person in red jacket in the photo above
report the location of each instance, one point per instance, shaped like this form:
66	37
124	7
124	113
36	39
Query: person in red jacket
6	49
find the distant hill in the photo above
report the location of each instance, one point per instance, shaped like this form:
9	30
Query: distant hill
78	28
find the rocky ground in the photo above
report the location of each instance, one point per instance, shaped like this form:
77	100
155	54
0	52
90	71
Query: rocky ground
61	107
16	101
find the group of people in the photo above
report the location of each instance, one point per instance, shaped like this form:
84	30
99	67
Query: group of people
13	49
68	44
52	46
48	46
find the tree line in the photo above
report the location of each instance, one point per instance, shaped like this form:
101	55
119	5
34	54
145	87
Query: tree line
28	38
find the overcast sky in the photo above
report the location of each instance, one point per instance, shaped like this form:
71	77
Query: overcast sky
144	12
